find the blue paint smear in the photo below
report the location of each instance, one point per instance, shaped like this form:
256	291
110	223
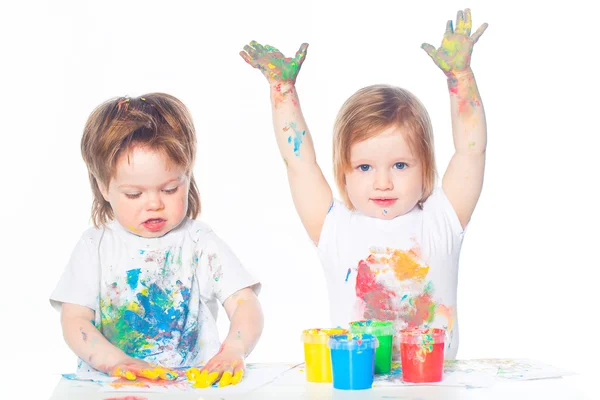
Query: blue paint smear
158	322
297	139
348	274
330	207
133	277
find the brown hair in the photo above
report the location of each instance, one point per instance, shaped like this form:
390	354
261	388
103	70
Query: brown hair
373	109
157	121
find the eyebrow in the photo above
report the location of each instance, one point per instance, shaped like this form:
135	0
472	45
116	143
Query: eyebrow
361	161
128	186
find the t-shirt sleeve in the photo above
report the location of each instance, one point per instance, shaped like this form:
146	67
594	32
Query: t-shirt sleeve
79	283
219	265
441	220
335	227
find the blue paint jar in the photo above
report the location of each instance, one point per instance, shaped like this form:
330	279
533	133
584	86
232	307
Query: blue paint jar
353	360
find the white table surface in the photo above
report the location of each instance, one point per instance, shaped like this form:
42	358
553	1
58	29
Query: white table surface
566	388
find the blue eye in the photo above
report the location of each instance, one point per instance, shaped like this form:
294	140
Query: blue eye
400	165
364	167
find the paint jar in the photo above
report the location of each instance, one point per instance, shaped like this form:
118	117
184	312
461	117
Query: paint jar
384	330
317	355
353	360
422	352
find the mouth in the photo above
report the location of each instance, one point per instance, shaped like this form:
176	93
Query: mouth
154	224
384	201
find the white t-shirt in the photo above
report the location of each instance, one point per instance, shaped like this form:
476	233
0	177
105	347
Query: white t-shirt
403	270
154	298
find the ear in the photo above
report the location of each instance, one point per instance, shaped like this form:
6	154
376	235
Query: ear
103	189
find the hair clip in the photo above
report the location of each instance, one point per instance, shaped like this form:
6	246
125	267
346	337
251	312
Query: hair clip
126	102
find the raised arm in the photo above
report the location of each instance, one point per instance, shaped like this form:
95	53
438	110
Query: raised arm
310	191
463	179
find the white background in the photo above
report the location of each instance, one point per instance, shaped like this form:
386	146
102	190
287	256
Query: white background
528	272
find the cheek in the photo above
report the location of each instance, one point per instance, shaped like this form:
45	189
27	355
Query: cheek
416	183
127	207
181	202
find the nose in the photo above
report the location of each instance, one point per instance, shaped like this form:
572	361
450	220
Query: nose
383	181
155	202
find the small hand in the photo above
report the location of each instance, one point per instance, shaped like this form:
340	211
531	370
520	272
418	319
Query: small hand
272	63
134	368
227	367
454	55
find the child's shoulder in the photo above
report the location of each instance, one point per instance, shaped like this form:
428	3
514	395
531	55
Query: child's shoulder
436	200
438	210
200	232
94	234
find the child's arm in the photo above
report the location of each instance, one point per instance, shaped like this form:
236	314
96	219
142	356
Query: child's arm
246	316
90	345
464	176
310	191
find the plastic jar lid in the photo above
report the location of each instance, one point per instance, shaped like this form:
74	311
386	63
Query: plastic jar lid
320	336
353	341
377	328
422	335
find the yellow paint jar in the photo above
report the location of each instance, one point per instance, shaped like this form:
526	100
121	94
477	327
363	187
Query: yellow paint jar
317	355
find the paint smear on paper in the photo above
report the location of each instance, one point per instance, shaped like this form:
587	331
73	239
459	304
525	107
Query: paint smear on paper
127	398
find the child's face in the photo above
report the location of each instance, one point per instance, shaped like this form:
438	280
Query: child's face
386	178
148	194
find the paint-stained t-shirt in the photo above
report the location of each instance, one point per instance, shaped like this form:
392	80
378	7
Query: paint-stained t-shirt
154	298
403	270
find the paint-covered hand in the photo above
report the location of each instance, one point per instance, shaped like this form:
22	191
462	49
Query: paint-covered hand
272	63
454	55
227	367
135	368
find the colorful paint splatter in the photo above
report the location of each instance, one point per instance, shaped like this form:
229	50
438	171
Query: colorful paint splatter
147	313
392	285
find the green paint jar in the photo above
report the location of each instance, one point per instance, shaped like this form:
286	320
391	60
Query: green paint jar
384	330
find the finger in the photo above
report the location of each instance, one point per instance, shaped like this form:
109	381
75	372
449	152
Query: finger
271	49
192	374
201	380
429	49
226	378
152	374
167	374
237	376
460	22
449	29
468	21
250	51
247	58
257	46
301	53
124	373
213	377
475	37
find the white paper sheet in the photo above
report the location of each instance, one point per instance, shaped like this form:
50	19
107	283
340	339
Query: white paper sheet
480	372
256	375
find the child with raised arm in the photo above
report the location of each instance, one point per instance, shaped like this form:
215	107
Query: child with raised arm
390	248
140	293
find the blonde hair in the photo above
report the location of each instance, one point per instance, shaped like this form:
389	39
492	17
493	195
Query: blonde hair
373	109
156	121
